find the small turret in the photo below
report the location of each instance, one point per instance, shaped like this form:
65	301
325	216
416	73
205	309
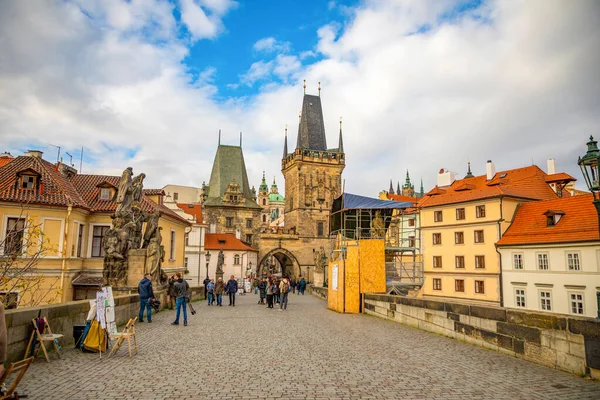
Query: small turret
391	191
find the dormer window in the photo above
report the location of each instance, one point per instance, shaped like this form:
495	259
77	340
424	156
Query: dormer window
104	194
27	182
552	217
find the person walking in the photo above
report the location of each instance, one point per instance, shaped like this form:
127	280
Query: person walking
219	289
171	292
146	293
302	286
293	285
262	288
205	283
210	289
181	287
284	290
270	289
231	287
276	291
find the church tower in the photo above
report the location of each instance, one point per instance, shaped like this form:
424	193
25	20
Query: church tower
312	172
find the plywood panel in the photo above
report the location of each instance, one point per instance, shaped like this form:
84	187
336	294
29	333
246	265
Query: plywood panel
372	266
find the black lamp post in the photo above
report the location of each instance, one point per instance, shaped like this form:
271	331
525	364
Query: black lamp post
207	261
589	168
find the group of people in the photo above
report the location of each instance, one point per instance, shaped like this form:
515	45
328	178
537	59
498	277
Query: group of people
179	294
214	291
276	291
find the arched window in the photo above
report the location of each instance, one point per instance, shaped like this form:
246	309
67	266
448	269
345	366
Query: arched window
236	259
264	202
264	218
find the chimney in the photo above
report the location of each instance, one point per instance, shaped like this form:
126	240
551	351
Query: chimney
34	153
490	170
551	166
445	178
6	155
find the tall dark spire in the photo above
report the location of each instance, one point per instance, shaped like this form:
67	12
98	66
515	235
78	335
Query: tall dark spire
341	142
285	150
407	183
391	191
311	131
469	174
422	191
398	188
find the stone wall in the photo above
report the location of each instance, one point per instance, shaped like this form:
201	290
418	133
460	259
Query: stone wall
62	317
320	292
554	340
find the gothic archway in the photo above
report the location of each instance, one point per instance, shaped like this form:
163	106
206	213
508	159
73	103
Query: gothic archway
286	264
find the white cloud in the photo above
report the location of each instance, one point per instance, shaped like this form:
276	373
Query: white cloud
270	45
514	82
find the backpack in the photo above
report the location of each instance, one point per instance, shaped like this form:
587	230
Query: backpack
286	287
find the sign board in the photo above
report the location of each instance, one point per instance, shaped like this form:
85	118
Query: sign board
334	277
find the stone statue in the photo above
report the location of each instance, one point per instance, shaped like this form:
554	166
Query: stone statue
116	245
138	187
124	195
220	262
135	232
377	226
155	254
151	228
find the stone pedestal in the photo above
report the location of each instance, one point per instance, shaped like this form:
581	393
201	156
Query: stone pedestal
219	275
137	266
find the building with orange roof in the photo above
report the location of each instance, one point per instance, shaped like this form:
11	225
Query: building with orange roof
5	158
550	257
461	220
71	212
240	259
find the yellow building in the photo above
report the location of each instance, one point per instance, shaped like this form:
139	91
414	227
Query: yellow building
52	222
461	220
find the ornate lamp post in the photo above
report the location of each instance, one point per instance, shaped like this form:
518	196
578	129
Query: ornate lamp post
589	168
207	261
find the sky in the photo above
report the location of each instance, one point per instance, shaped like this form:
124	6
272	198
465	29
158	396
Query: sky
421	85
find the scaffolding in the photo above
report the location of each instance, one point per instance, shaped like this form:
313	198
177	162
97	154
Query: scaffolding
394	222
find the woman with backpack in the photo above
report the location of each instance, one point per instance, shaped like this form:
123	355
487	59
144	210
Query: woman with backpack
284	290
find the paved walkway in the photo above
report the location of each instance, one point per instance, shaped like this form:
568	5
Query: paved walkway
307	352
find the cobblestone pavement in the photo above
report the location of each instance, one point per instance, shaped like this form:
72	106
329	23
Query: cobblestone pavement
307	352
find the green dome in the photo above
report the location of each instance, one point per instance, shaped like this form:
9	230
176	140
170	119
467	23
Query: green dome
276	197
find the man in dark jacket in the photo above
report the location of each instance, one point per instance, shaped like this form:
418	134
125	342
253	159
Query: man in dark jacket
302	286
231	288
172	293
146	293
206	281
181	288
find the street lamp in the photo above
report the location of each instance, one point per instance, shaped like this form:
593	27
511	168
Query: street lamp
589	168
207	262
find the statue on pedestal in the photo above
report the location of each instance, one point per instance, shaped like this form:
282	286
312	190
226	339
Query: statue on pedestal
220	262
378	226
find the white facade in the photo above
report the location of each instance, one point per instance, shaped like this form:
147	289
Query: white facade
561	278
240	263
181	194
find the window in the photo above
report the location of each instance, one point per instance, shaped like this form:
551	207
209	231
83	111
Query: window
172	243
236	259
460	213
187	239
228	222
104	194
550	220
175	196
479	261
480	211
27	182
319	229
459	285
248	239
520	298
479	287
478	236
459	237
411	222
437	261
97	236
576	303
264	218
518	261
437	216
248	223
80	239
185	262
13	243
542	259
411	241
437	284
545	301
573	262
264	202
437	238
459	261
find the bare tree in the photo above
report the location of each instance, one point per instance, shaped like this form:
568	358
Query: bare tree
22	246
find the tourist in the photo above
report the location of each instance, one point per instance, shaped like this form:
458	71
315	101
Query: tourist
298	288
181	288
255	285
276	291
293	285
210	290
262	288
284	289
219	289
146	293
171	292
302	286
205	283
231	287
270	289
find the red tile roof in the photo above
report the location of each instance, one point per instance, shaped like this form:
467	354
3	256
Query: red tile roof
398	197
525	183
560	177
194	209
225	241
5	160
154	192
579	223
